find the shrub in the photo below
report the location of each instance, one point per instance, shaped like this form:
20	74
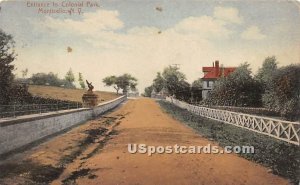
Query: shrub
283	92
6	66
50	79
237	89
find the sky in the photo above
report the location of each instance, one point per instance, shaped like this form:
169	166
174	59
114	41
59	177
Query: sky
143	37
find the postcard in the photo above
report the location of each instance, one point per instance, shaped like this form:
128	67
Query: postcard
179	92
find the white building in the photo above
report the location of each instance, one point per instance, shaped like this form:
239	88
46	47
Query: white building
211	74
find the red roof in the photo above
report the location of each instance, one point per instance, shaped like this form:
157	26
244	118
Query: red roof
207	69
216	72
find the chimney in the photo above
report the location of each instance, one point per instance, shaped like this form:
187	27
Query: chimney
217	63
217	68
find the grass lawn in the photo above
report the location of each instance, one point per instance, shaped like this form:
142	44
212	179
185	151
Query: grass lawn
68	94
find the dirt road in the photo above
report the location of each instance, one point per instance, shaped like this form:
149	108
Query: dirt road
146	123
107	161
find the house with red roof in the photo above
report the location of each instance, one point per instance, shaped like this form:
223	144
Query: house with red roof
211	74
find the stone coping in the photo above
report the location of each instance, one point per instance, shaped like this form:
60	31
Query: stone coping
32	117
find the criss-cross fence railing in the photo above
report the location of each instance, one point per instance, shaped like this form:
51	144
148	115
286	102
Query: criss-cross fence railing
279	129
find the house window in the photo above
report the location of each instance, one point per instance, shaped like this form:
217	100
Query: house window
207	83
212	84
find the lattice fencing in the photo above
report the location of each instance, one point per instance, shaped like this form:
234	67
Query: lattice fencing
279	129
16	110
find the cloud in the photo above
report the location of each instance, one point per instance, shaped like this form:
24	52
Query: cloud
101	30
141	50
228	14
143	30
103	47
252	33
204	26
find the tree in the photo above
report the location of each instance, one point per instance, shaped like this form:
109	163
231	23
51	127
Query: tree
81	81
158	82
10	92
24	73
196	91
111	81
172	81
7	56
197	83
183	91
283	93
267	71
264	76
237	89
70	78
173	78
124	82
50	79
46	79
148	91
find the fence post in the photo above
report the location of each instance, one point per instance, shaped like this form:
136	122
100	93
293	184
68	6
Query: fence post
40	108
57	106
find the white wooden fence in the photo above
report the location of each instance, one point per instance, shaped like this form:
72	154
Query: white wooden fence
279	129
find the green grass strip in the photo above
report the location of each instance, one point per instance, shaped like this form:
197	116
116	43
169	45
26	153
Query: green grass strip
283	158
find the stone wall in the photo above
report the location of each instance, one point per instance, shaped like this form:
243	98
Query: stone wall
23	130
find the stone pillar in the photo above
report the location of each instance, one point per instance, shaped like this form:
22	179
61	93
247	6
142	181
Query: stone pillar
89	99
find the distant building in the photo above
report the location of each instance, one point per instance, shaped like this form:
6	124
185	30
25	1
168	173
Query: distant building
211	74
160	95
133	93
